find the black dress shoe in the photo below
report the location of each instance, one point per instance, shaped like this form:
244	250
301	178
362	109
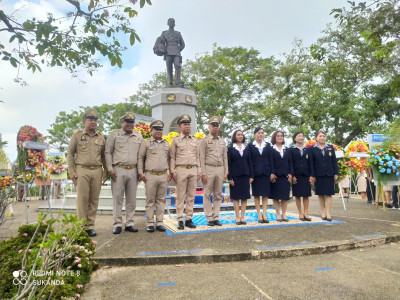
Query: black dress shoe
307	219
117	230
210	223
261	221
131	229
180	225
217	223
285	220
243	222
329	219
91	232
190	224
150	229
160	228
323	218
238	223
265	221
302	219
279	220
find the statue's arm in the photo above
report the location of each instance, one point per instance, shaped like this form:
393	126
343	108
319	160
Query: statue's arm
181	43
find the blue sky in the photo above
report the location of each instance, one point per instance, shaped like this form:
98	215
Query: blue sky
269	26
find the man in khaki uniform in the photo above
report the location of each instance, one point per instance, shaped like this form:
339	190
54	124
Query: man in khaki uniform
185	170
214	171
122	149
153	166
85	161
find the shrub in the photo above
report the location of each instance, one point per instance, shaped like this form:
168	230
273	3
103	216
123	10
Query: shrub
53	259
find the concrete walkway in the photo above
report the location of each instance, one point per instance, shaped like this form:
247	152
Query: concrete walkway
362	225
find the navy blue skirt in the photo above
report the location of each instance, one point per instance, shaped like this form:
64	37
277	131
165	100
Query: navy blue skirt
280	189
324	185
302	188
261	186
241	189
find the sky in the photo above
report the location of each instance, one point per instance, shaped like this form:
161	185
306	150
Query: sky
269	26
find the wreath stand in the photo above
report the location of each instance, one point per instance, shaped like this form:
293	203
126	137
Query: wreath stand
34	146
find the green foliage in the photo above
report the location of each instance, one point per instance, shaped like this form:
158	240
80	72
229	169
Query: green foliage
58	250
228	83
72	41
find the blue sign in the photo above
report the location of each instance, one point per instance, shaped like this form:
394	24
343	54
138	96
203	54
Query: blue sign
5	172
379	137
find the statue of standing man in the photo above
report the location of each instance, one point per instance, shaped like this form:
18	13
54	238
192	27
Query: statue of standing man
170	44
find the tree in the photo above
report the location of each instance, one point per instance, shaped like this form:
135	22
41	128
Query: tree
70	41
377	23
228	83
339	84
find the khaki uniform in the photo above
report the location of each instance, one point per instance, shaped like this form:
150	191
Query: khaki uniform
121	156
85	159
186	164
154	158
214	164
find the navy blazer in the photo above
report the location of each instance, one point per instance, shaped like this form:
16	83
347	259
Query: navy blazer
239	165
324	165
283	165
302	164
263	164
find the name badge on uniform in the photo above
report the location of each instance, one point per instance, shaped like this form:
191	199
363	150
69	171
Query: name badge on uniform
306	156
83	138
83	147
330	153
121	146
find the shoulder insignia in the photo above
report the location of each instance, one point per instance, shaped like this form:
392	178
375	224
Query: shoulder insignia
78	130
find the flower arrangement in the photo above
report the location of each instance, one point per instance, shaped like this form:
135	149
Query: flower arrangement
310	143
357	163
28	176
199	135
42	174
34	158
343	163
29	157
6	182
143	129
57	164
170	136
385	160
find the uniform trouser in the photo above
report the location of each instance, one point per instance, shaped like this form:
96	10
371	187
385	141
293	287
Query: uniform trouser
126	183
186	184
88	191
57	188
215	182
156	193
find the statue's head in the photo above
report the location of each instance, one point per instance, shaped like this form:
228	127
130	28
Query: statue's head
171	22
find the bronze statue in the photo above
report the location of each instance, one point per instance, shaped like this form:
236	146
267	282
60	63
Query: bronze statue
170	44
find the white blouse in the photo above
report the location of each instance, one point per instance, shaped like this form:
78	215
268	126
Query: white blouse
237	148
259	147
280	151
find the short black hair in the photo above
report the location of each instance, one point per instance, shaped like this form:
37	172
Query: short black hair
296	134
234	136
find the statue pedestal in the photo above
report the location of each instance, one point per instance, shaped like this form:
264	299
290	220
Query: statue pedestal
170	103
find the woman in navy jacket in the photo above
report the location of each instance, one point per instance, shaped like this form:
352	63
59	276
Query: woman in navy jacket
324	173
240	174
302	164
261	157
280	188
